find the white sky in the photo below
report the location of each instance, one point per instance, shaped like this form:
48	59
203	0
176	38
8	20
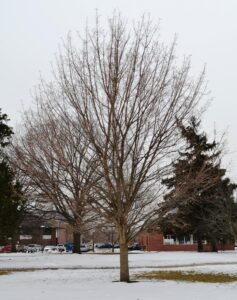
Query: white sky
31	31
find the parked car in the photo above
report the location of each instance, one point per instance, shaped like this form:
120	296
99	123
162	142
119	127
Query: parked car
6	249
89	246
134	247
84	248
21	248
50	249
32	248
69	247
61	248
103	245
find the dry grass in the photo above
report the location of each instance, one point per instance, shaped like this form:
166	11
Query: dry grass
164	275
9	271
187	276
4	272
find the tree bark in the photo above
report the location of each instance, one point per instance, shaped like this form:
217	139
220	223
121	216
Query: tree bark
199	240
13	243
124	269
214	247
77	242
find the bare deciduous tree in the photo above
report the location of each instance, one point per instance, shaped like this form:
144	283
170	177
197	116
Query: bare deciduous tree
52	155
121	93
128	92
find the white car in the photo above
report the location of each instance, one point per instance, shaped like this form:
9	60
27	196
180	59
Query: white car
51	249
61	248
31	248
89	246
84	248
55	249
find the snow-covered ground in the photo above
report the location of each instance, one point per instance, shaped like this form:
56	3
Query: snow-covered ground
94	276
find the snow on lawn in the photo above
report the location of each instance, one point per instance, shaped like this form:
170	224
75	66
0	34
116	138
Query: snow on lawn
86	283
138	260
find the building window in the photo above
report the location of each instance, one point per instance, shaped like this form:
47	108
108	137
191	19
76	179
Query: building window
169	239
47	231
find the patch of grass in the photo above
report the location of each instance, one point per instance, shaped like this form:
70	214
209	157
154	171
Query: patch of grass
9	271
188	276
4	272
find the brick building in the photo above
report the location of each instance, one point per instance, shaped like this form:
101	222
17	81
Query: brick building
37	231
154	240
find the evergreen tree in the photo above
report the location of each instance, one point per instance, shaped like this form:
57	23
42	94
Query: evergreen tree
5	132
12	202
200	200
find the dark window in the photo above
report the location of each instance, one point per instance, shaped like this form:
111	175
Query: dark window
26	231
47	231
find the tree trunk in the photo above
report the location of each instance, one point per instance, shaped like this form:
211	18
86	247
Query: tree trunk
124	270
77	242
214	247
13	242
112	240
199	240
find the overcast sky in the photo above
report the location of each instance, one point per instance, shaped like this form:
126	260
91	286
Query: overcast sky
31	31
